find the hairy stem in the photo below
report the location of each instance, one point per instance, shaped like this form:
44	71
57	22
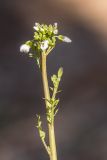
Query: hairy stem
52	143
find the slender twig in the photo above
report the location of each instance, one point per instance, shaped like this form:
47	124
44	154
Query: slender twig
46	147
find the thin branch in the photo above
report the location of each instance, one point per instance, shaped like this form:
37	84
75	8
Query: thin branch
46	147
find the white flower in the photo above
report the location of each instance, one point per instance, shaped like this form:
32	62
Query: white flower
55	24
24	48
36	26
44	45
67	39
55	31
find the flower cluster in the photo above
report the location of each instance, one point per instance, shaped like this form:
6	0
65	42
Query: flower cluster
44	37
44	40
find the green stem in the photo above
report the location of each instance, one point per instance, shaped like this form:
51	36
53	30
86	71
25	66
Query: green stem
52	143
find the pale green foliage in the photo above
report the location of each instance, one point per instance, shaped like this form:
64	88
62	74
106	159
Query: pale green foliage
42	134
52	108
56	78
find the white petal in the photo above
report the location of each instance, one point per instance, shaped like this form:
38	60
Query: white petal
67	39
36	24
46	42
36	28
44	45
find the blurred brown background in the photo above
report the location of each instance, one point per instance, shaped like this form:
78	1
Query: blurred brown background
81	124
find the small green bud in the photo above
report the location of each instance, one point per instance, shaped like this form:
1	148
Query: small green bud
54	78
29	43
50	28
54	39
60	72
60	37
36	36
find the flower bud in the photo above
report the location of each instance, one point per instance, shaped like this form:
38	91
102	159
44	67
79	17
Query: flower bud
24	48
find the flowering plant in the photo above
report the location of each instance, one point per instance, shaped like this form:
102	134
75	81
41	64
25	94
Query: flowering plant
43	42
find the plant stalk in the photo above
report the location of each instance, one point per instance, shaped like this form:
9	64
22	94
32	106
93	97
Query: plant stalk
52	143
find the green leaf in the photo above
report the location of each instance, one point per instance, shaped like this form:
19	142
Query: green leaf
56	102
42	134
39	126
